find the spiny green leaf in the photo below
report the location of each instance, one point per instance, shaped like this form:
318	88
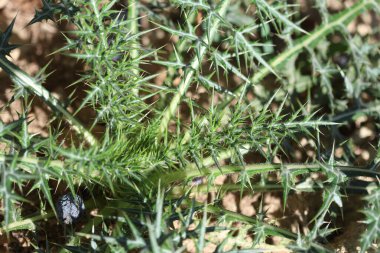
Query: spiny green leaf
5	47
371	211
47	12
262	4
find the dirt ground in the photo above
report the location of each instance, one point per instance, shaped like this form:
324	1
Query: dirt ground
41	39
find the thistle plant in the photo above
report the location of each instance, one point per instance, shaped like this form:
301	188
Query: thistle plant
165	144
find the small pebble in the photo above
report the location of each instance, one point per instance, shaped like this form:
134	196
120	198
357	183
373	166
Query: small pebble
70	208
197	181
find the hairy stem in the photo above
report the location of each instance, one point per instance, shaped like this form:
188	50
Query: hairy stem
186	81
308	41
21	78
133	28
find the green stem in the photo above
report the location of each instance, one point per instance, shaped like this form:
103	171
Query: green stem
179	191
32	160
269	230
253	169
26	224
192	171
29	223
195	64
309	41
373	108
21	78
133	28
